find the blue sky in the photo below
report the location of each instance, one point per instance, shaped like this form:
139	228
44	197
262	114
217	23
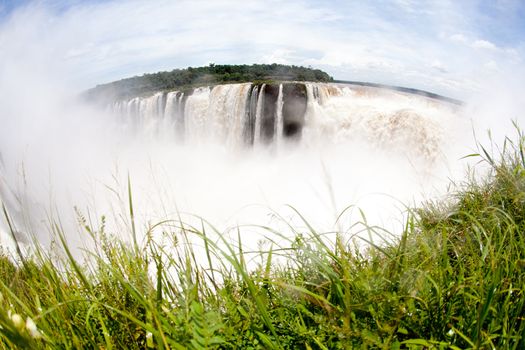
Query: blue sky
444	46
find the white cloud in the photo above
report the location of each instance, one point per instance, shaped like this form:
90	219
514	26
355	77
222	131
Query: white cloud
88	44
484	44
460	38
281	56
492	65
439	66
407	5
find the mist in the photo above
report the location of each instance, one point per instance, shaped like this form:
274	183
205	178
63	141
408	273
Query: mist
74	161
61	157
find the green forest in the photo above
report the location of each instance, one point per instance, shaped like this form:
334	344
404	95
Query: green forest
212	74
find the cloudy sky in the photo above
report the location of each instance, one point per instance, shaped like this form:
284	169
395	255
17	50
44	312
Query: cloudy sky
450	47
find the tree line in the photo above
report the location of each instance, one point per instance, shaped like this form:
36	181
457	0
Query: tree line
198	76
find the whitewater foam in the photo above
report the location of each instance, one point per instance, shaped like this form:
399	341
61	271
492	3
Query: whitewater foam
223	154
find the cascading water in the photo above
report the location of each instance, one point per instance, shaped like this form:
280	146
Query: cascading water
258	115
237	114
231	153
278	130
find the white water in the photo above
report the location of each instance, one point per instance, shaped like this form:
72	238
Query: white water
367	147
411	124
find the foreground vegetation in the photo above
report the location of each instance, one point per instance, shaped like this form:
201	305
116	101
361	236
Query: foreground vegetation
454	279
191	77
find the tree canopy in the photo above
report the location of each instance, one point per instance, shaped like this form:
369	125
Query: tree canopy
212	74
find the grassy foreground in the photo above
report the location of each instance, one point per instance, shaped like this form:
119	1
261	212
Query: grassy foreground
454	279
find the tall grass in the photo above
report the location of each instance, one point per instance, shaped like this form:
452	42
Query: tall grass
453	279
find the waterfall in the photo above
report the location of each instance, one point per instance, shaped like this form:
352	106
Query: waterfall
368	138
278	132
251	113
258	115
239	102
267	114
195	113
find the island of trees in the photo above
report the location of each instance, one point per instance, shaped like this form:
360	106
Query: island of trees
209	75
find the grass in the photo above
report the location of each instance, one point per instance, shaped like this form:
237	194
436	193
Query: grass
454	279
